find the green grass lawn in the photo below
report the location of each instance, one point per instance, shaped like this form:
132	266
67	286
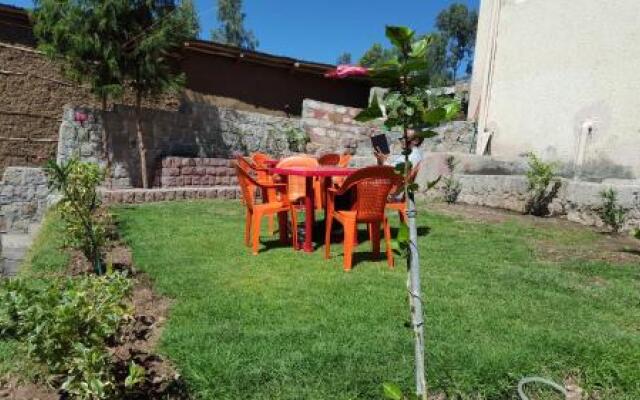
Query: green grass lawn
290	325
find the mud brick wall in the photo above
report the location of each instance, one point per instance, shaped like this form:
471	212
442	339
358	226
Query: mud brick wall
33	93
197	172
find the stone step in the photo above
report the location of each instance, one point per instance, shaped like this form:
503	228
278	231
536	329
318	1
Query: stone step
14	249
131	196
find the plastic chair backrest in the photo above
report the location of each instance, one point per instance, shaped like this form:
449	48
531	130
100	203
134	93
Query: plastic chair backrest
372	187
296	188
245	164
259	159
247	185
329	159
344	160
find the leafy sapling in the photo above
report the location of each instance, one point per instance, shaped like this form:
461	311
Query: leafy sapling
451	186
85	226
611	213
542	185
416	111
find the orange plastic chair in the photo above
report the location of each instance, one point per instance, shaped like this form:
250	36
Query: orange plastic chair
398	201
255	212
262	173
329	159
344	160
296	188
372	186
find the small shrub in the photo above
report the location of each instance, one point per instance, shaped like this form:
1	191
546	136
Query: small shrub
85	227
611	213
451	186
540	176
636	233
65	325
297	139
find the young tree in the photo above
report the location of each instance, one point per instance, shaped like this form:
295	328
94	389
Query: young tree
409	106
232	30
114	44
458	26
86	39
344	58
154	31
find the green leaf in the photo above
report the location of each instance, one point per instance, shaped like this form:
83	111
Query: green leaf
433	183
400	36
425	134
434	116
372	112
392	391
419	48
452	110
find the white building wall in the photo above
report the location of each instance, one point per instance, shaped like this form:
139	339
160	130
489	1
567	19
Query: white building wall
560	78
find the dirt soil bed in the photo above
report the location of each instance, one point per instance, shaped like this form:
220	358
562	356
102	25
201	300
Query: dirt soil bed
137	342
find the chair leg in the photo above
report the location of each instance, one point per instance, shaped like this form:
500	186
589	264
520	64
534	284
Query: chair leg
350	231
387	242
282	227
270	224
403	216
374	234
255	231
247	229
294	227
327	235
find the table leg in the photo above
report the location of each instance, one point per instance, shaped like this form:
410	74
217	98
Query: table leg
309	217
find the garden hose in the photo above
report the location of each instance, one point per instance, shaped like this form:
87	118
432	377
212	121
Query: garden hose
537	379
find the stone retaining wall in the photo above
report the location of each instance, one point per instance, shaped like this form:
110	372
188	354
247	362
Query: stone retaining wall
181	172
576	201
138	196
23	198
198	131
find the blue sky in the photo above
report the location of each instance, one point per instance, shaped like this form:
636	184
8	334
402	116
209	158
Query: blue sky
321	30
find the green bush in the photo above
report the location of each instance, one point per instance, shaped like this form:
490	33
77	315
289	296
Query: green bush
65	325
85	226
451	186
540	176
611	213
297	139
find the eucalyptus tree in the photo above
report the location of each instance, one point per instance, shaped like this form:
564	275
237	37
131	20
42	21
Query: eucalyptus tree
232	30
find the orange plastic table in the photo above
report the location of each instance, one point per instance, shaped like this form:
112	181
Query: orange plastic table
310	173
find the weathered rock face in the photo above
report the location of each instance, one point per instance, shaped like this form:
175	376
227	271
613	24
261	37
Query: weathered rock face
23	198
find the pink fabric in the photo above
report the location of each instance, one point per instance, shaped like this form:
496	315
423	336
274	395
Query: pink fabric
345	71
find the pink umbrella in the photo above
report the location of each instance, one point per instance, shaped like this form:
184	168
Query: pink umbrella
345	71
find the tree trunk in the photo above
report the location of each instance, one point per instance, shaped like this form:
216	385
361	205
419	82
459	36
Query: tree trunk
106	148
141	146
415	297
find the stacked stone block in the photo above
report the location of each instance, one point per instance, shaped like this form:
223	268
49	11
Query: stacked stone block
23	198
195	172
137	196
